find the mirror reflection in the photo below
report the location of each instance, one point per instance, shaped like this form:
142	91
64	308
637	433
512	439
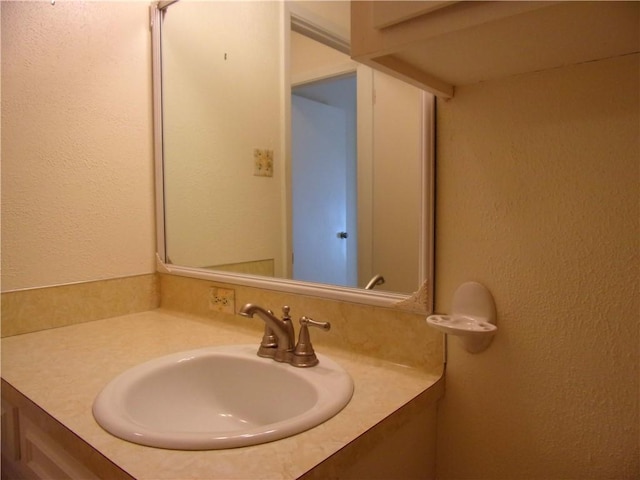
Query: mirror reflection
283	158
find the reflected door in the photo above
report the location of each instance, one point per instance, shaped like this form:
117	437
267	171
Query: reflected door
319	169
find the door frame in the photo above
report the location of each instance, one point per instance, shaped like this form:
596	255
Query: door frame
304	22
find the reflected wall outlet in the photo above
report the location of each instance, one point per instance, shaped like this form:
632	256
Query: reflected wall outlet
262	162
222	300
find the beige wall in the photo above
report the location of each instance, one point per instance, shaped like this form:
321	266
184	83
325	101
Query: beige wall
77	174
538	183
537	198
222	97
311	60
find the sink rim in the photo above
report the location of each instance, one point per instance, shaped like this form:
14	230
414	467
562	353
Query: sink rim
332	385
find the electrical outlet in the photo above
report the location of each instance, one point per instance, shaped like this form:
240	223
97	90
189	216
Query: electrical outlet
262	162
222	300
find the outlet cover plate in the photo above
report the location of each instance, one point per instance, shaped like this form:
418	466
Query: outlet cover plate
222	300
262	162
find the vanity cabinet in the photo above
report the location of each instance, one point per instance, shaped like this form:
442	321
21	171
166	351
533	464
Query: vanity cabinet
10	440
36	446
439	45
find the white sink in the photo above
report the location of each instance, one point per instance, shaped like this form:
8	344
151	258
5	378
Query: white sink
219	397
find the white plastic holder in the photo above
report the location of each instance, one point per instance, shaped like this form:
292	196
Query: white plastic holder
472	319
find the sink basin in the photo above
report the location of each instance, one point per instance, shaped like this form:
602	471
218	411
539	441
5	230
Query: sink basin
219	397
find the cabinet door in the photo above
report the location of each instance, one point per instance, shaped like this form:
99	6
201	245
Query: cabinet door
43	458
36	446
10	440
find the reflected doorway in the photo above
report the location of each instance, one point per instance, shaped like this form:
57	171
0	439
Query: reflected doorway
323	164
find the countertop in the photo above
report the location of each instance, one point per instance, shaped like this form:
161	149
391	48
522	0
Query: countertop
63	369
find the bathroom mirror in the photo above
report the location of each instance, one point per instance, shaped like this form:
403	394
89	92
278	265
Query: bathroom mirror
231	104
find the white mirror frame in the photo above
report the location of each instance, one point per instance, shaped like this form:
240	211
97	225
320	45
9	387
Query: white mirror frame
348	294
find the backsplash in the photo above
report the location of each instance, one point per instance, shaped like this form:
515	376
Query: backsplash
25	311
388	334
384	333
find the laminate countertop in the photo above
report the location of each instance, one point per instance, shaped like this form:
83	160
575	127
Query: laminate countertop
62	370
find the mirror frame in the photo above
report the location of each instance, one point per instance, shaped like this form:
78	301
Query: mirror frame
317	28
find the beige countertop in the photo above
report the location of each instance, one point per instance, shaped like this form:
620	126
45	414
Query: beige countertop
63	369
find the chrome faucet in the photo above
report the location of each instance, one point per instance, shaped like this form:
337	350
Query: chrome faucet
279	336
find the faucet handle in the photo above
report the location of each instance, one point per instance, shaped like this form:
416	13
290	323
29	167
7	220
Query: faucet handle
310	321
303	354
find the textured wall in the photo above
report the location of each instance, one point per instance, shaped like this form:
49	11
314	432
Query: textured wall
77	172
538	181
222	99
537	199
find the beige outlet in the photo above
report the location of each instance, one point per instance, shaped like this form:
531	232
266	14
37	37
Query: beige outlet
262	162
222	300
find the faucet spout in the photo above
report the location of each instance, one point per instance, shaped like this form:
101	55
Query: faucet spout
282	328
375	281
